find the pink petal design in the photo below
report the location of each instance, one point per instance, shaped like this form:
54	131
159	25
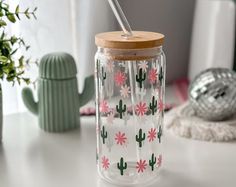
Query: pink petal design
105	163
141	108
152	75
152	134
104	108
141	165
120	138
120	78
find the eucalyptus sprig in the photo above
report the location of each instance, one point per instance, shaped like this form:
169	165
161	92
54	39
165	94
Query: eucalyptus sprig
11	67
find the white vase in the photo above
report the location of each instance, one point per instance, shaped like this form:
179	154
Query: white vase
213	36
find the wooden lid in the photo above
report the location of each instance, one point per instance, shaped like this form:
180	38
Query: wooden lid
139	40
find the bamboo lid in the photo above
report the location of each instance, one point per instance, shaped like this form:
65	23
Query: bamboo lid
139	40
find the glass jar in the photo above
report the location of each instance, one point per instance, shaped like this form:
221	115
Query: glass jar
130	88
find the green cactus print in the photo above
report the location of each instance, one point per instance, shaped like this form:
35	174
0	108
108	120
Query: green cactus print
103	134
152	162
141	77
140	137
122	166
121	109
153	105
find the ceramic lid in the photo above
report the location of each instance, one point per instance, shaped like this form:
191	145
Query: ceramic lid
57	66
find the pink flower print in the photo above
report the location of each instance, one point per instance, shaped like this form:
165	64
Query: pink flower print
159	160
141	165
125	91
152	75
120	138
152	134
160	105
105	163
120	78
143	65
141	108
104	108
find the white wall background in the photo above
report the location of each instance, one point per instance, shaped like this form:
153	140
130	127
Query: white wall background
70	26
62	25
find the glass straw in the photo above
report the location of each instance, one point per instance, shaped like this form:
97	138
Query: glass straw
120	16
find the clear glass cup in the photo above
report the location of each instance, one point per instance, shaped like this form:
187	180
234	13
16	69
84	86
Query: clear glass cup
130	89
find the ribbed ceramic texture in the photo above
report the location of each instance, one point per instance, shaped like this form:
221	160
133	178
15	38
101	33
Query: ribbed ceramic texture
59	100
59	106
57	66
0	113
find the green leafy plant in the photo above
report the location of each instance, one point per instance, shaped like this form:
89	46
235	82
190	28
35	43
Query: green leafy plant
12	66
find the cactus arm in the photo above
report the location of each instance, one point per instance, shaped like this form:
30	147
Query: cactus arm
124	108
88	91
28	100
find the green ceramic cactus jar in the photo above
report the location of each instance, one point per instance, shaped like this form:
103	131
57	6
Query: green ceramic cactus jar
58	98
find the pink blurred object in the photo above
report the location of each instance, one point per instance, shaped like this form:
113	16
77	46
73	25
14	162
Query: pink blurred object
181	89
88	111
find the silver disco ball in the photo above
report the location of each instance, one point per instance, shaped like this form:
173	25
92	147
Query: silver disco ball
212	94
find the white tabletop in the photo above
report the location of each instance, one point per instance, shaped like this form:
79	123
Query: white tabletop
30	157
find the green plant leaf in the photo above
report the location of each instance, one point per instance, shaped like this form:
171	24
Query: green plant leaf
11	67
34	15
2	35
27	13
11	18
27	47
1	13
13	52
2	23
13	40
17	9
3	59
27	81
17	12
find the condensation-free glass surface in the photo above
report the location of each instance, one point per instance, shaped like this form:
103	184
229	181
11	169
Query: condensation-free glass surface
129	118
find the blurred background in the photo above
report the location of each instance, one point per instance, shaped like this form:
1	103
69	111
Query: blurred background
199	34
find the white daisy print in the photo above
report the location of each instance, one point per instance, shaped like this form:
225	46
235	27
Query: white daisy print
125	91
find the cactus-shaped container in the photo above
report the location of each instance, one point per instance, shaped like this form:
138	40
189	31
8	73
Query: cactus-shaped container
58	98
130	87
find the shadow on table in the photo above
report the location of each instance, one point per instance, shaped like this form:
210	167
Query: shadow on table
166	179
